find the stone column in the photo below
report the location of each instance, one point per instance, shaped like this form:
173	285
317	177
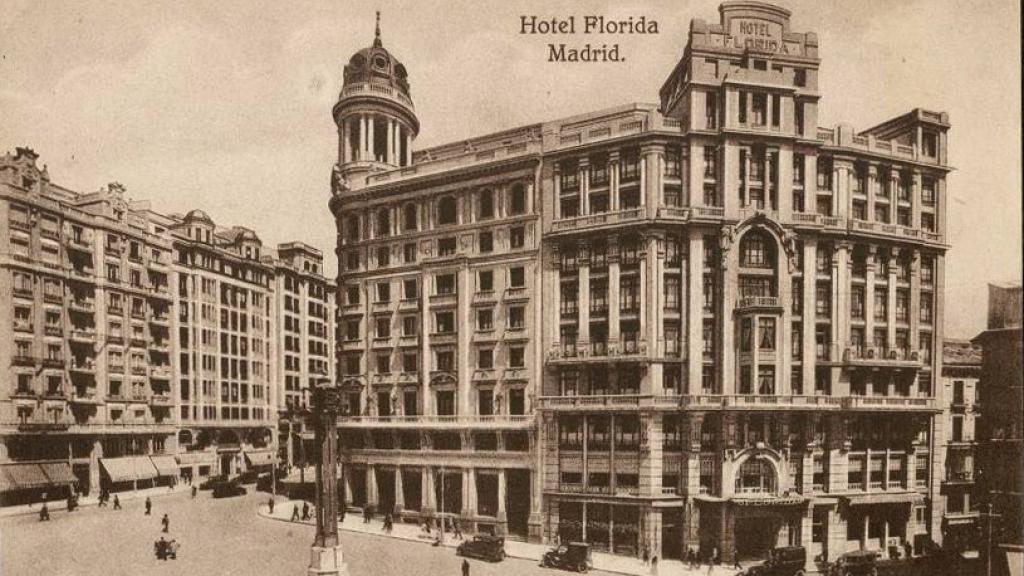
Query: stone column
891	316
583	299
390	158
372	497
371	142
428	496
810	277
613	181
869	189
582	176
695	310
399	492
614	327
408	150
502	496
362	138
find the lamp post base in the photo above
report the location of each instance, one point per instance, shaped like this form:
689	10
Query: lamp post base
327	562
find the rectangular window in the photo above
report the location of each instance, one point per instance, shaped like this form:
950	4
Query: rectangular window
444	322
446	247
517	237
383	292
444	284
486	242
485	359
485	281
409	253
410	289
517	277
516	357
516	317
484	319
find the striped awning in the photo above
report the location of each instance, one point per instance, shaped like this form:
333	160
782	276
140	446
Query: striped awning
260	457
129	468
165	465
58	472
882	498
190	458
23	477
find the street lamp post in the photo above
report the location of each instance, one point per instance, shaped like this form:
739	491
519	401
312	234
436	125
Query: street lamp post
326	557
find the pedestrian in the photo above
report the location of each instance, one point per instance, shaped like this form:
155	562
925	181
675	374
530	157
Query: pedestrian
117	502
908	550
295	513
44	513
465	567
270	505
166	522
654	565
711	565
71	503
455	528
645	554
305	510
716	558
690	556
736	559
149	506
194	492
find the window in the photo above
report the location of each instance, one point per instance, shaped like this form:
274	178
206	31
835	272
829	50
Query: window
352	260
409	219
516	357
928	221
485	281
383	256
383	223
444	284
486	242
485	208
930	144
518	200
410	362
928	192
383	292
485	359
410	289
822	301
799	113
743	108
409	326
447	211
384	366
766	333
352	295
484	319
409	253
446	247
711	110
444	322
517	237
759	109
857	303
710	162
516	317
517	277
753	251
881	304
352	330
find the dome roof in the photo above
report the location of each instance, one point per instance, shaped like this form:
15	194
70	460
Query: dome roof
198	215
375	64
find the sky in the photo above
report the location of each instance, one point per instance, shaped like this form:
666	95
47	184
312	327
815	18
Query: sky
227	105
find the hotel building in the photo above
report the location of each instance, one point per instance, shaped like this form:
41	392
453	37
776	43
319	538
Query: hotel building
706	323
961	373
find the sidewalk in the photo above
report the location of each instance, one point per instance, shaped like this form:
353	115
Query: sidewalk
91	501
517	549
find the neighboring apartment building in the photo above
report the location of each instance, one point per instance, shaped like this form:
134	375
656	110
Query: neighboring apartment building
85	306
1000	451
961	370
141	347
725	320
305	346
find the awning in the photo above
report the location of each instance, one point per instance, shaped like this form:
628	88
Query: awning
260	457
6	482
881	498
25	476
58	473
296	476
129	468
165	465
791	500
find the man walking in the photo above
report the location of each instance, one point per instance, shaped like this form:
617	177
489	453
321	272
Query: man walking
736	559
194	492
117	502
44	513
149	506
295	513
465	567
166	522
270	505
305	510
457	532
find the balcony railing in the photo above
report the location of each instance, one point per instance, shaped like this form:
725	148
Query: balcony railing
758	302
601	219
880	355
433	421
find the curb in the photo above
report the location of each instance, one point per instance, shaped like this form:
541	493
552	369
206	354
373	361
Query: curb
91	502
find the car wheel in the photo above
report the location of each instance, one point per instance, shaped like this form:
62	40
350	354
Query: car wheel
501	555
582	568
799	573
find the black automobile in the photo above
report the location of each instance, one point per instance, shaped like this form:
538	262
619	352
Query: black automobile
228	489
490	548
788	561
571	556
856	563
248	477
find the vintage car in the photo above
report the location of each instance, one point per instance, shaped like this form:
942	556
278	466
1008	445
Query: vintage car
571	556
165	549
789	561
228	489
491	548
211	482
856	563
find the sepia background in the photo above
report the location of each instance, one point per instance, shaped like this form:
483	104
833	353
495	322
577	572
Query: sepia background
226	104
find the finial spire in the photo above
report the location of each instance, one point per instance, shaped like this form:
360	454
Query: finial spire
376	33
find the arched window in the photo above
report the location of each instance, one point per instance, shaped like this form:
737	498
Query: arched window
755	476
352	228
485	209
756	250
409	220
383	223
446	211
518	200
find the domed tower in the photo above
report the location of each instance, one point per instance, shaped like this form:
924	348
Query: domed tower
375	116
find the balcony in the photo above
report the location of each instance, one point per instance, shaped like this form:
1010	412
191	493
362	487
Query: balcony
82	305
115	368
959	477
53	298
83	335
880	356
82	272
52	330
87	396
160	319
493	422
139	370
890	403
23	360
22	326
78	243
519	293
53	362
760	402
116	339
598	351
83	367
594	220
161	401
751	303
160	371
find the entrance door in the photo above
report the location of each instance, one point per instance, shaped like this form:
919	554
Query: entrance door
518	502
672	534
81	472
385	491
225	464
755	537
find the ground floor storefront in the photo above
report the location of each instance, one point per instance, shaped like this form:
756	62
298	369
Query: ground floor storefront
206	452
483	500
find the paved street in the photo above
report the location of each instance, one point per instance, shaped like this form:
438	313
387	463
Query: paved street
218	537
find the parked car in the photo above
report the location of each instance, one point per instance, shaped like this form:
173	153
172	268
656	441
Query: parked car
856	563
248	477
789	561
228	489
264	481
491	548
571	556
